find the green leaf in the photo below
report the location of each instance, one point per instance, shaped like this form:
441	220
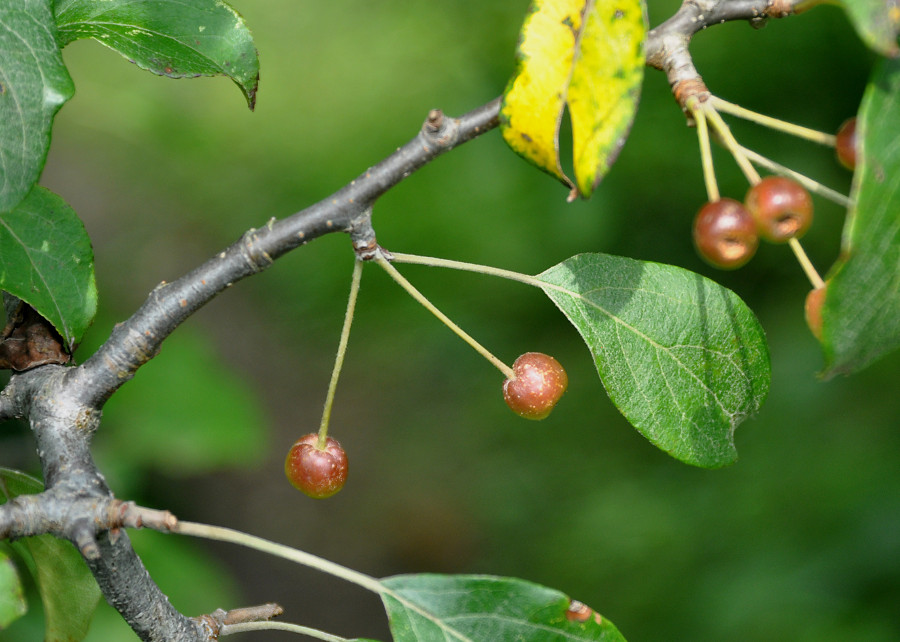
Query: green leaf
174	38
68	591
584	54
14	483
877	22
440	608
34	84
12	597
861	314
682	357
47	261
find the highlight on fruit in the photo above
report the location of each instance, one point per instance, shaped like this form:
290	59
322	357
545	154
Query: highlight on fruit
539	383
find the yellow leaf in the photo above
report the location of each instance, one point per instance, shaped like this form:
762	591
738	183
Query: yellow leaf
584	55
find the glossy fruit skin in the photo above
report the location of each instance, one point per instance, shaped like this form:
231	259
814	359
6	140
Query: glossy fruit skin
725	234
539	383
781	208
317	473
845	144
813	310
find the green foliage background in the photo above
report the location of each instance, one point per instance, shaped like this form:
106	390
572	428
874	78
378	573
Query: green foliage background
798	540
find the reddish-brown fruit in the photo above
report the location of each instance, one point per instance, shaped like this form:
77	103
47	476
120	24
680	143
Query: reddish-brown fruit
725	234
318	473
845	144
539	383
813	308
781	208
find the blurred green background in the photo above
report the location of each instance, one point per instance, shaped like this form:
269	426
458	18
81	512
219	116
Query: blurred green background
800	540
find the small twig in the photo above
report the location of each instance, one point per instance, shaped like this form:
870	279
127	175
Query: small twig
258	613
130	515
667	44
218	621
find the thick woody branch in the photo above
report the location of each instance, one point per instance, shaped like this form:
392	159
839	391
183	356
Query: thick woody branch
78	506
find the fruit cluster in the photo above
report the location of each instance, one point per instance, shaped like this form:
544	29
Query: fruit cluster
776	209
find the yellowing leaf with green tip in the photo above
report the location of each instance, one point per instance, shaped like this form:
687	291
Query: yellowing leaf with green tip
584	55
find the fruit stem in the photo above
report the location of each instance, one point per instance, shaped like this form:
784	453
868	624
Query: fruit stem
243	627
341	351
731	143
709	173
462	334
806	264
808	183
774	123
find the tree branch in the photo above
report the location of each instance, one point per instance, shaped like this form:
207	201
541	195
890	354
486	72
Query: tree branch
63	404
77	505
667	45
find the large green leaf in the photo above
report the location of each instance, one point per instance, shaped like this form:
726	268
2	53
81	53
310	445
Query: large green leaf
475	608
861	315
34	84
584	54
68	591
682	357
174	38
12	598
877	22
47	261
